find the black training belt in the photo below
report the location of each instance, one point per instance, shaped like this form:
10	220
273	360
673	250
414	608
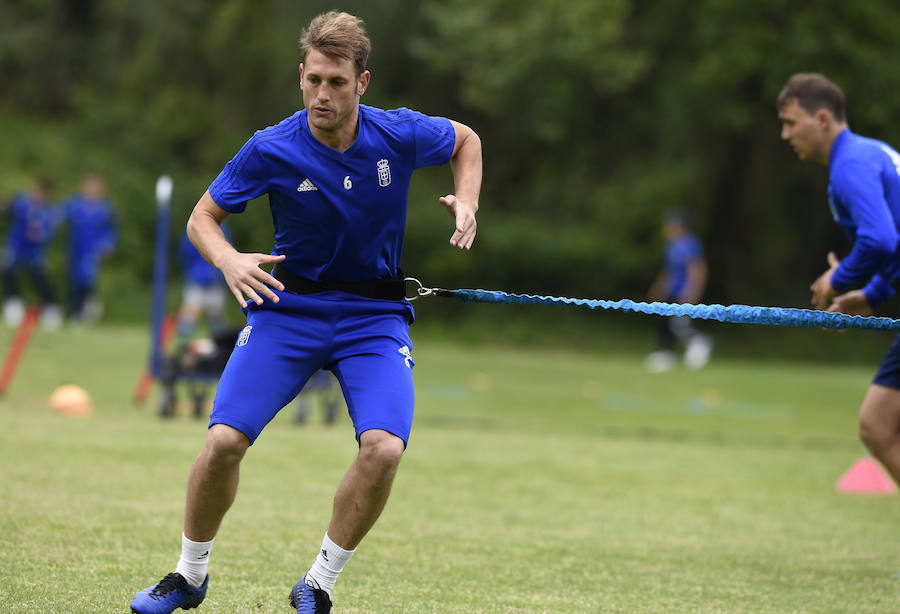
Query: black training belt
388	288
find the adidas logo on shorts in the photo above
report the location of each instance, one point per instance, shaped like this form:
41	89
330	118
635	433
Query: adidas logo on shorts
307	186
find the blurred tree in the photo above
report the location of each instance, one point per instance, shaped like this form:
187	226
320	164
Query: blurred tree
600	115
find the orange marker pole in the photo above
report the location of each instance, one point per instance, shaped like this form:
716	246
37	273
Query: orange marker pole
17	349
166	332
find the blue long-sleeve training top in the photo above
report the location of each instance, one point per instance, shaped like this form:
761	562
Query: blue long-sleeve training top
864	194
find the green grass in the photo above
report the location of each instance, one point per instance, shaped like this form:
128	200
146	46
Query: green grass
537	480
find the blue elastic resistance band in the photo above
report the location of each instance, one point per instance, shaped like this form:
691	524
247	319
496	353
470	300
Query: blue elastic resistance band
739	314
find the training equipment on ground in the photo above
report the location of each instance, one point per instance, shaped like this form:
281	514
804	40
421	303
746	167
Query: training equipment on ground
166	332
161	327
866	476
17	347
72	401
160	268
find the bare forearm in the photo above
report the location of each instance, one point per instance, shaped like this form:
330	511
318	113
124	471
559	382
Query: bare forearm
696	282
205	231
241	271
466	166
656	288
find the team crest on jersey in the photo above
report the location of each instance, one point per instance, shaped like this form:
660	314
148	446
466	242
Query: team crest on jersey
384	173
244	336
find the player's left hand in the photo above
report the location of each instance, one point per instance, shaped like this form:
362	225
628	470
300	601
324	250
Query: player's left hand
464	212
822	291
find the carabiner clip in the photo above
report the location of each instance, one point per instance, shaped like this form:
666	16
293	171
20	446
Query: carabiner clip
420	291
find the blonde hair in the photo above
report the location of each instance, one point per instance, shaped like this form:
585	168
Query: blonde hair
337	34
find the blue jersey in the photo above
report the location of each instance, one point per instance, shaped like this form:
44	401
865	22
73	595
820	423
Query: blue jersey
92	234
864	194
338	216
33	227
196	269
680	252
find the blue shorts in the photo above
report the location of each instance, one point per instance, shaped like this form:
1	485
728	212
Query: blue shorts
364	342
889	371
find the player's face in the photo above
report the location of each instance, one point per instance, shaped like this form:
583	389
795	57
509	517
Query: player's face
805	131
41	194
93	187
331	90
673	229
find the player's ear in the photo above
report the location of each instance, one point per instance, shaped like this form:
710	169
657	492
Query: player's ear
300	77
824	117
363	82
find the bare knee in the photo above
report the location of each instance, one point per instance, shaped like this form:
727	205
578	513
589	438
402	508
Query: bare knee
875	434
380	452
869	433
224	445
879	419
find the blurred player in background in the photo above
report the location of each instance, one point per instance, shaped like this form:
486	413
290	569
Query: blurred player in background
204	292
337	176
321	389
92	238
197	361
864	195
34	221
681	280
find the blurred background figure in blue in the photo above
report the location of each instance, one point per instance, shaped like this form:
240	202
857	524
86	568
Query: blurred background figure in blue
92	237
34	221
204	292
321	389
681	280
197	357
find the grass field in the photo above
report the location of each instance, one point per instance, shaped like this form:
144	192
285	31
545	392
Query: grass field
537	480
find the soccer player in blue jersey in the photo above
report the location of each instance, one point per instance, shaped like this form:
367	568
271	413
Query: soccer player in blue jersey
681	280
864	195
92	237
34	222
336	175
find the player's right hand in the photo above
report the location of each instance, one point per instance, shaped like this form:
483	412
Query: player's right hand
249	282
464	214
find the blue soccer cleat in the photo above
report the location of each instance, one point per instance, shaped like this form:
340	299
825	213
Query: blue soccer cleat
310	599
171	593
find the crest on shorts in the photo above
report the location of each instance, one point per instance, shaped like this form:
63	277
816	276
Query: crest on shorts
384	173
244	336
407	355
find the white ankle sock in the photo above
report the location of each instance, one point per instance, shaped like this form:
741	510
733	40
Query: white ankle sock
194	560
328	565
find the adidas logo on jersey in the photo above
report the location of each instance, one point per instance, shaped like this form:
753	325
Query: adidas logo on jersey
307	186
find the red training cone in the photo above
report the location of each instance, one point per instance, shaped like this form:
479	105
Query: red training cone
866	476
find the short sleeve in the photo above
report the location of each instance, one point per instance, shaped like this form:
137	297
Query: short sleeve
435	138
243	178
